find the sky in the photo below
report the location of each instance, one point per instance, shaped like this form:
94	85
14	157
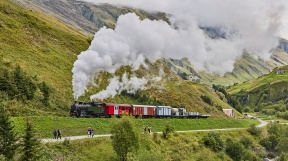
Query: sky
251	26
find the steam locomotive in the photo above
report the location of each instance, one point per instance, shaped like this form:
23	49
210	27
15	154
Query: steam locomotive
97	109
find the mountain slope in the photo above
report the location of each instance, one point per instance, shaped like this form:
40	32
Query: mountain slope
88	18
46	50
84	16
245	68
43	47
267	94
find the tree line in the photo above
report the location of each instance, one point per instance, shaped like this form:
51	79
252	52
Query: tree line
21	86
13	146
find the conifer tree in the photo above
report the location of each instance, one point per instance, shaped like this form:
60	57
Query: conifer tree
30	143
46	92
8	138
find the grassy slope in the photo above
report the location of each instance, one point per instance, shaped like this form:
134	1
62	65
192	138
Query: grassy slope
246	68
171	90
271	79
42	46
266	92
46	48
180	146
78	126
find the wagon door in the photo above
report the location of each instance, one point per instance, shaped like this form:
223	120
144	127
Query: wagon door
116	110
145	111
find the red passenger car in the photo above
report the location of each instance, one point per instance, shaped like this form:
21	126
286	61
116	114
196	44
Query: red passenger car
117	109
143	110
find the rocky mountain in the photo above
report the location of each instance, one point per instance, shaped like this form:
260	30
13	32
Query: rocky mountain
84	16
88	18
246	68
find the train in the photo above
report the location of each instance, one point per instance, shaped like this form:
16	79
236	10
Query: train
98	109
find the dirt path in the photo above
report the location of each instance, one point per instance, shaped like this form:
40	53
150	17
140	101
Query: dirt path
262	123
106	135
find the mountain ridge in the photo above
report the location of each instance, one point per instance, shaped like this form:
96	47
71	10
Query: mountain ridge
45	50
88	18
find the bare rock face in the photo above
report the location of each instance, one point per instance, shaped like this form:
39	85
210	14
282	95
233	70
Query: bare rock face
84	16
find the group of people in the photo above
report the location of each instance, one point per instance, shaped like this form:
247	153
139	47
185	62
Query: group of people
90	132
147	128
56	134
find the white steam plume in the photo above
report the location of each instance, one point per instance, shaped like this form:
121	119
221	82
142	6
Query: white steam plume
249	25
116	86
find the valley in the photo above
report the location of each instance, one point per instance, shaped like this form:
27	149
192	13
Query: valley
55	52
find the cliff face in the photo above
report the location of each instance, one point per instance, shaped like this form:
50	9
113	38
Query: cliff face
84	16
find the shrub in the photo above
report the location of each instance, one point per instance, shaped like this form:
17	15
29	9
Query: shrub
270	142
207	99
213	141
283	157
253	130
235	149
167	131
247	142
124	137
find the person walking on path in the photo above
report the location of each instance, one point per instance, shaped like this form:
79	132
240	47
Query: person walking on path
145	129
54	134
92	132
149	129
89	132
59	134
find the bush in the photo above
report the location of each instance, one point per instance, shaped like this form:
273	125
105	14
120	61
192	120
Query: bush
167	131
253	130
247	142
213	141
283	157
235	149
270	142
207	99
124	137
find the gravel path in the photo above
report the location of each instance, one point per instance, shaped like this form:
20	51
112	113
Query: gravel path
49	140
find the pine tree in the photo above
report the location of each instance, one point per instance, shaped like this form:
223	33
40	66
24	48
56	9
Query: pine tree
31	145
46	92
8	138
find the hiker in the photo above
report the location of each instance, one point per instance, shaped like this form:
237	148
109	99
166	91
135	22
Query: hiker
59	134
54	134
89	131
92	132
149	129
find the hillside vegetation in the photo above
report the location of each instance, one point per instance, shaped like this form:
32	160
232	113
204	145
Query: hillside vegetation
252	144
245	68
43	51
78	126
267	94
171	90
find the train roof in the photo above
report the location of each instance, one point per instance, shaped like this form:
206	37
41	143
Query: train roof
164	106
115	104
144	106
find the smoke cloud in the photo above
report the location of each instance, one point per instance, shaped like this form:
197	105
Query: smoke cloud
116	86
251	26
